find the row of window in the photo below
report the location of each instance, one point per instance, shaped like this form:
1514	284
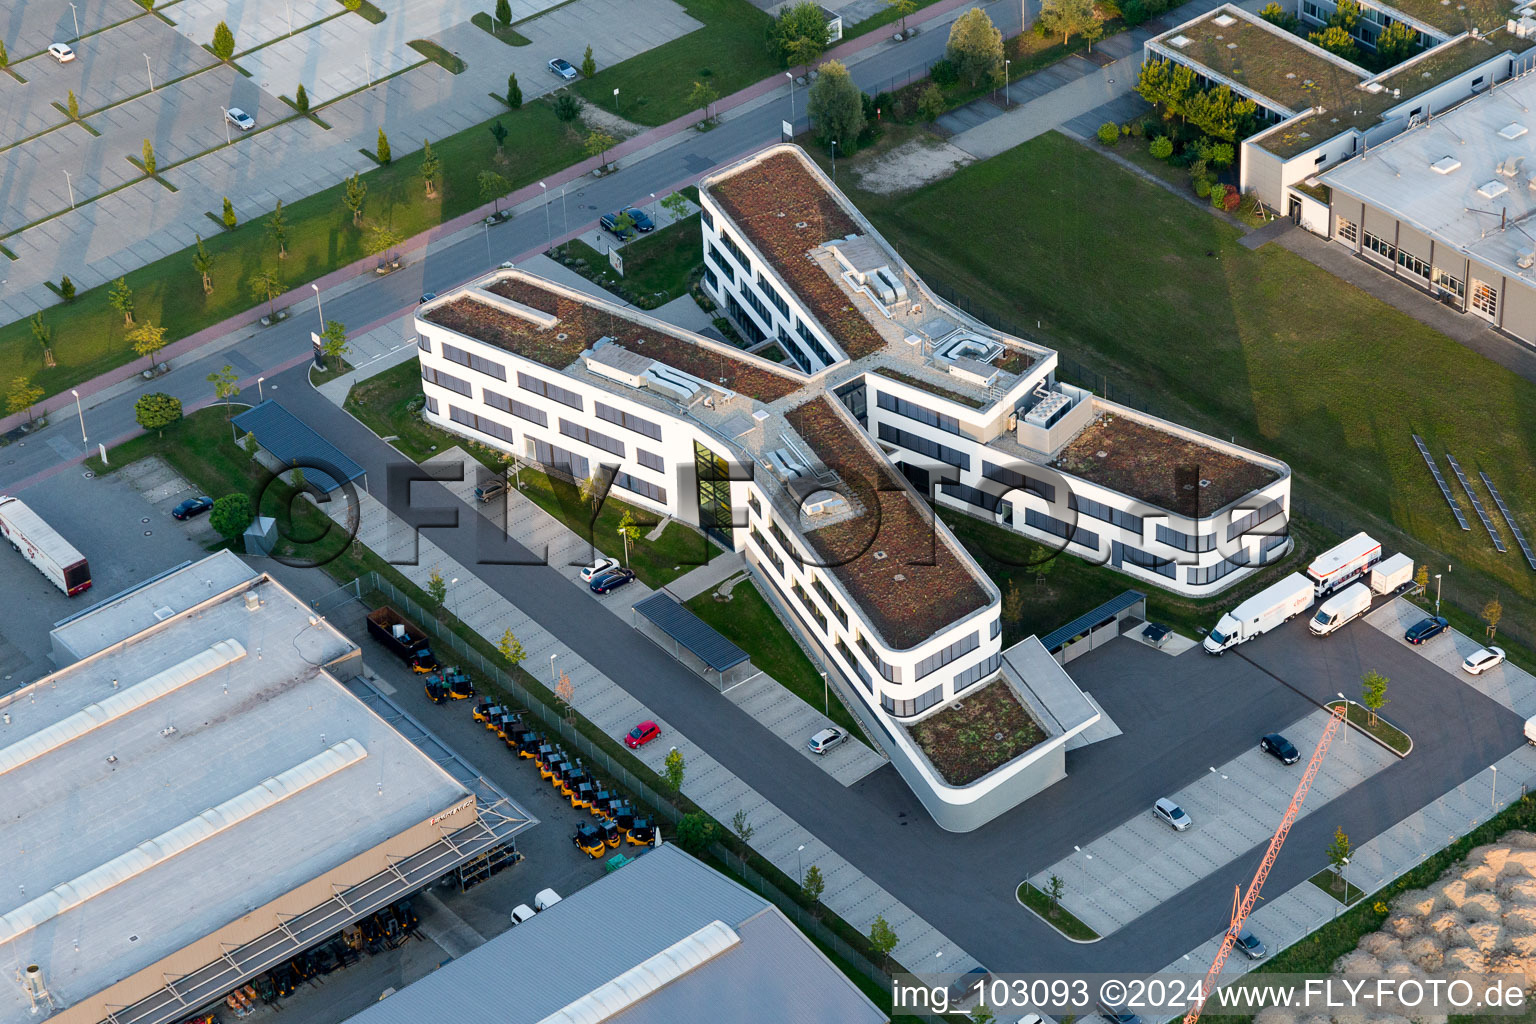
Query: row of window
480	364
734	249
1348	231
1185	542
832	602
592	437
773	294
890	672
1455	285
917	443
521	410
810	606
1197	575
432	375
553	392
972	496
938	659
976	673
719	261
915	706
628	420
913	411
1381	247
1018	481
1104	513
483	424
809	337
858	666
1243	524
560	461
655	492
766	550
1411	263
1052	525
758	305
650	460
1142	559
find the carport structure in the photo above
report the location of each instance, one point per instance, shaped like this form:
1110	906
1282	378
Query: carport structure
692	640
296	445
1098	626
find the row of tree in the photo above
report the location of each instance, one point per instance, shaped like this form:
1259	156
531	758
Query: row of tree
1218	112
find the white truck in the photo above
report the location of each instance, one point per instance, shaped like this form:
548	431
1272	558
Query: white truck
1351	602
1391	574
1261	613
1343	563
37	542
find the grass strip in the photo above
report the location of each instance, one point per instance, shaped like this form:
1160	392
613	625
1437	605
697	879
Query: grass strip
1057	916
506	33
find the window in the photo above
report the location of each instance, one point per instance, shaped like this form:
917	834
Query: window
757	304
1185	542
1411	263
1135	556
890	672
628	421
916	706
810	339
726	270
766	550
1485	299
710	278
424	343
773	294
831	602
1202	574
1248	521
479	364
1454	285
1104	513
1386	250
923	446
913	411
519	409
976	673
650	460
749	326
855	664
938	659
972	496
734	249
554	392
708	219
432	375
1050	524
1018	481
655	492
431	405
1347	231
560	461
592	437
810	606
757	509
997	627
482	424
783	541
1310	9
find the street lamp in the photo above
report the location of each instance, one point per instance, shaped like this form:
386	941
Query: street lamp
801	862
1493	796
289	7
487	242
451	583
549	235
1437	575
826	697
368	68
552	658
565	216
834	161
318	308
81	411
228	139
1344	863
791	76
653	207
1345	701
260	397
151	72
1006	82
1223	777
76	14
70	185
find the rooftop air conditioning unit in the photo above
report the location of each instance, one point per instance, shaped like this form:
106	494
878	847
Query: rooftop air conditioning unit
1526	260
824	504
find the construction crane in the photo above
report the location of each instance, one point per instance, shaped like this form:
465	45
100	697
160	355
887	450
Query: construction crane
1241	910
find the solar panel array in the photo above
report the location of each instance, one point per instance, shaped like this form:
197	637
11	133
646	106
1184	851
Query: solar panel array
1504	510
1477	506
1429	460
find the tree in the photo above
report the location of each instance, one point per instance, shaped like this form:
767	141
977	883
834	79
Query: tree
1053	891
1278	16
514	92
72	102
591	489
202	262
702	98
882	938
66	289
1217	112
156	411
1493	611
437	588
695	833
623	222
229	215
1222	154
301	99
277	228
812	886
265	284
1336	41
225	387
744	831
382	152
976	46
503	12
231	515
5	58
147	339
223	42
1093	33
902	9
567	108
333	340
800	34
1338	855
588	65
566	691
492	187
1013	602
836	106
930	102
511	648
148	152
355	195
598	144
22	396
673	769
1421	578
431	167
381	239
42	333
628	528
120	298
1396	43
499	133
677	205
1373	693
1165	84
1345	14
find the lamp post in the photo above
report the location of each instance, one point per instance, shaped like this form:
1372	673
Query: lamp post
616	99
1493	795
1437	579
318	308
151	72
1223	777
81	411
653	208
487	242
800	862
834	161
289	7
552	658
565	216
1006	82
791	76
451	584
229	139
76	15
1344	863
1346	716
70	186
368	68
549	234
826	696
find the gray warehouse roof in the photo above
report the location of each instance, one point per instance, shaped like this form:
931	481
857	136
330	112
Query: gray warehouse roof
692	632
292	441
705	949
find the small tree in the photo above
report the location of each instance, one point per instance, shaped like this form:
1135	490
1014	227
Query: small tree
147	151
567	107
800	34
147	339
382	152
156	411
588	65
66	289
902	9
499	133
695	833
1336	41
743	830
72	103
223	42
1493	611
514	92
333	341
1067	18
5	58
566	691
628	528
437	588
231	515
836	106
702	98
301	99
511	648
1373	693
1094	32
1421	578
976	46
265	284
431	167
225	387
598	143
930	102
492	187
882	938
1053	890
811	888
1338	854
229	215
1396	43
381	239
120	298
677	205
355	195
503	12
202	262
673	769
42	333
1013	602
22	396
1279	16
277	228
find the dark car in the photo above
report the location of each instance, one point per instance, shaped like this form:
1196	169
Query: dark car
613	579
1117	1014
192	507
427	297
1426	629
641	218
1280	748
610	224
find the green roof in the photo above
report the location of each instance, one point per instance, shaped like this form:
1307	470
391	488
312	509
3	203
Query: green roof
1454	17
1268	61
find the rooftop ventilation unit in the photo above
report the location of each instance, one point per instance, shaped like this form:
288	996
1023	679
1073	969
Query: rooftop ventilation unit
1445	165
1510	166
1053	405
1525	260
1512	131
1223	20
974	371
1179	41
824	503
252	602
783	465
1492	189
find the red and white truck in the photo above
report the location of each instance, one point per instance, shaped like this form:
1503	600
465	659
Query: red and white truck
1343	564
37	542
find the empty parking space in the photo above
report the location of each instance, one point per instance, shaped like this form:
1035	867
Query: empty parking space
30	25
1510	685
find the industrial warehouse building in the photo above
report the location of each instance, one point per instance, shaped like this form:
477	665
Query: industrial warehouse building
196	796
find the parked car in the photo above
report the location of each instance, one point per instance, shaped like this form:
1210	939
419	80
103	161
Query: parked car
1426	629
613	579
61	52
1172	813
610	224
522	912
963	987
563	69
597	568
545	899
642	219
427	297
240	119
1280	748
641	734
1482	660
825	740
1117	1014
192	507
490	489
1249	945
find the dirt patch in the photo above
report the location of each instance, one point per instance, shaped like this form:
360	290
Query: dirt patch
596	117
913	164
979	732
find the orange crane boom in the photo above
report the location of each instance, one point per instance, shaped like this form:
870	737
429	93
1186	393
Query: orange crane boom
1242	910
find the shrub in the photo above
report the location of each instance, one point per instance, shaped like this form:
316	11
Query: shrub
885	104
1197	168
352	5
514	92
229	215
695	833
503	12
383	152
1133	13
1222	155
944	72
1109	133
1232	200
930	102
67	289
567	107
1161	147
588	65
1202	186
301	99
231	515
1134	129
1218	196
223	42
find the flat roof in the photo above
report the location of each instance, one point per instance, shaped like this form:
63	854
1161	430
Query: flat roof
1467	203
218	734
685	940
299	445
1457	16
691	631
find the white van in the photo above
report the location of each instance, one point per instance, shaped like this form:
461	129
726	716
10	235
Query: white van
1351	602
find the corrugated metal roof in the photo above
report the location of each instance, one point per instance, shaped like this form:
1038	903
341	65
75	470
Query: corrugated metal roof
595	935
692	632
1088	620
292	441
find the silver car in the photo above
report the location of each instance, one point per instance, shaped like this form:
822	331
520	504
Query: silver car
240	119
563	69
1172	813
825	740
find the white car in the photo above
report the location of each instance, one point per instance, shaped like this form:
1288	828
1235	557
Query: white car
240	119
563	69
545	899
61	52
1481	661
825	740
1172	813
597	568
522	912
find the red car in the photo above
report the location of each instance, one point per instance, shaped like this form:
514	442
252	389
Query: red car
641	734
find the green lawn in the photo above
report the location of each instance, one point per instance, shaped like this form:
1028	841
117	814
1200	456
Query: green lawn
1328	880
1058	917
1258	345
730	53
506	33
657	267
1381	729
389	403
89	336
751	624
